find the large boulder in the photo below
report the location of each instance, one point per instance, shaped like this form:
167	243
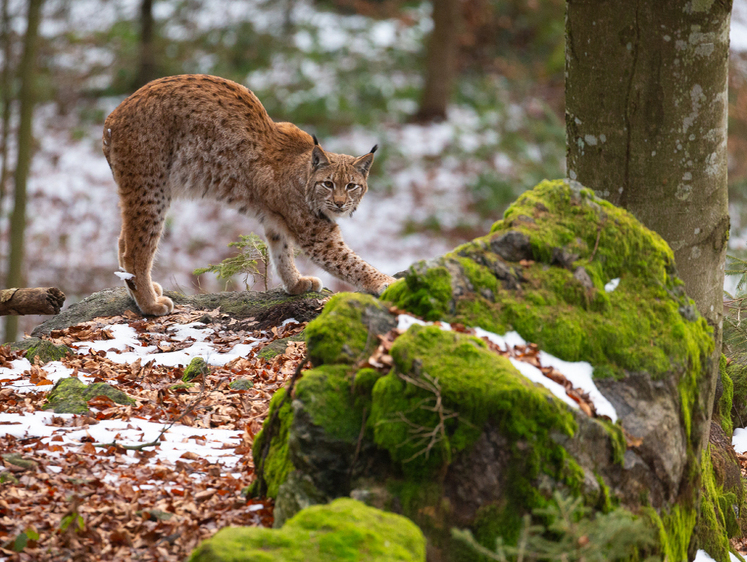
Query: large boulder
452	435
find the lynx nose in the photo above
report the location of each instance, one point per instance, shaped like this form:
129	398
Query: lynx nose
339	204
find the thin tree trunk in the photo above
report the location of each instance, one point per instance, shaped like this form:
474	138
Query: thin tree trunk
27	73
147	67
441	61
646	116
5	97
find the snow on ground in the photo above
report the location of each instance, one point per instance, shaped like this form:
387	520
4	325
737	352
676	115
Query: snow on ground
703	556
578	373
209	444
739	440
124	347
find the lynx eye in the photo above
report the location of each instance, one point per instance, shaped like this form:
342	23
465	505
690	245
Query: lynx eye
328	184
351	186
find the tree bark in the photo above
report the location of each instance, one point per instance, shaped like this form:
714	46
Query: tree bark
6	95
147	67
646	116
441	60
40	300
27	72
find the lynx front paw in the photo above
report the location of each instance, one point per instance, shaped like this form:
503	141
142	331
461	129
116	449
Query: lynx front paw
384	286
161	307
305	284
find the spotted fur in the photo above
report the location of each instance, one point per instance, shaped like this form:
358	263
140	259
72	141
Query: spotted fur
200	136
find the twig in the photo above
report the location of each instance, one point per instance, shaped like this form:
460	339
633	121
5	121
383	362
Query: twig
157	440
358	445
422	436
596	244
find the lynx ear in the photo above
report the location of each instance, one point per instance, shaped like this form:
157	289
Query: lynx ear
363	163
318	157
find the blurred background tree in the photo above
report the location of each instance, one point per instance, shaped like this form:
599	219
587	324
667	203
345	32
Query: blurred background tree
27	95
147	70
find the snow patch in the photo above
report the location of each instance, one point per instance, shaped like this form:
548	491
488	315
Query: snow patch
703	556
579	373
612	285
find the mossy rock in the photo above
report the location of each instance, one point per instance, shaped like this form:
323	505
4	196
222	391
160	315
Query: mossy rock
276	466
45	350
454	436
278	347
346	329
344	530
197	367
19	461
723	509
71	396
722	406
573	244
241	384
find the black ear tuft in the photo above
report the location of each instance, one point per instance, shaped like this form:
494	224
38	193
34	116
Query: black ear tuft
375	148
316	140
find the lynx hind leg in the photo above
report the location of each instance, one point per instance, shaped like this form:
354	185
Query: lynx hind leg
142	223
121	252
281	255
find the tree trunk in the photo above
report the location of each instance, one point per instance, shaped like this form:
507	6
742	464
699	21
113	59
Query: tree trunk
147	68
646	116
441	60
6	96
27	73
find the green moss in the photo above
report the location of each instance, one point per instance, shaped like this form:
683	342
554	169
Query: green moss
738	374
424	292
277	465
46	351
480	276
722	408
241	384
606	501
712	531
278	347
675	528
71	396
181	386
475	385
344	530
617	439
339	334
493	521
16	459
637	327
326	395
197	367
365	379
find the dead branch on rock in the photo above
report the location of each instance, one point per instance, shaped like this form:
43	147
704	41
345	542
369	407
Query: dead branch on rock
40	300
425	437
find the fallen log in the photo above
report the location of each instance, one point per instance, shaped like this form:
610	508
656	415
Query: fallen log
39	300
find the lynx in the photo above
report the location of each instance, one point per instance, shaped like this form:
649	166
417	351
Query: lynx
198	136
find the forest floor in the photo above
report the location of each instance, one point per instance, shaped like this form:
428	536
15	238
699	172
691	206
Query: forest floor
150	480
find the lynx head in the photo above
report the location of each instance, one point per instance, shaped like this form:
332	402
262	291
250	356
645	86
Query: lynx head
337	182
